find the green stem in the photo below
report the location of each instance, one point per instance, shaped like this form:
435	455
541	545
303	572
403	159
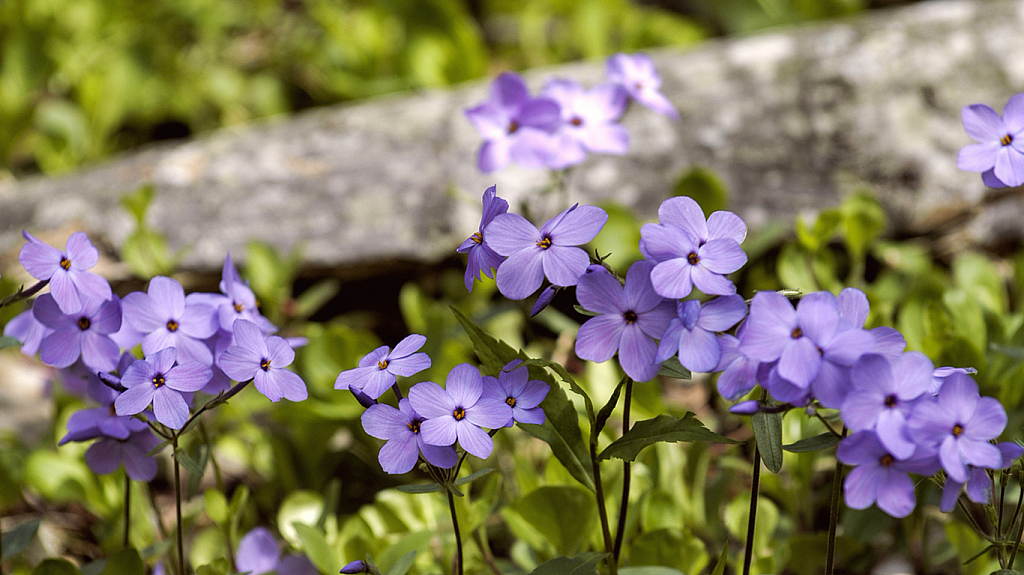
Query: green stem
458	536
177	507
1020	530
602	512
755	480
833	515
620	529
127	506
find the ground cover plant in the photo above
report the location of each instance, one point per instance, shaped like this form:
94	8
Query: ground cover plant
859	397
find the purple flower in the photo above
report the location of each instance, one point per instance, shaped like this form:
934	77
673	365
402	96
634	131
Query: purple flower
961	423
159	381
979	486
109	453
401	428
514	387
355	567
258	553
263	359
941	373
102	421
739	372
999	153
169	321
549	252
545	297
589	121
883	397
25	328
379	369
636	73
70	284
514	125
459	412
686	213
685	260
481	257
238	301
632	317
691	334
879	477
84	333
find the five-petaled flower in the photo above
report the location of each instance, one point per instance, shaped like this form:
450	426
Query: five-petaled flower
70	283
158	380
402	429
379	369
263	359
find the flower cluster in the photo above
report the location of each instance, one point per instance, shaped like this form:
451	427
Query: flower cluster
558	127
191	343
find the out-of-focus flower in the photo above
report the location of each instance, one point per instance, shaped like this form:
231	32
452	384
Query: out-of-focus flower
258	553
589	121
109	453
636	73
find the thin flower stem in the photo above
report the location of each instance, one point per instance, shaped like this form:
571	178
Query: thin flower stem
833	515
602	512
457	568
398	391
755	480
127	506
620	529
974	522
23	293
177	507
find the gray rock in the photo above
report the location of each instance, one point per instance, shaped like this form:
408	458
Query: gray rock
793	120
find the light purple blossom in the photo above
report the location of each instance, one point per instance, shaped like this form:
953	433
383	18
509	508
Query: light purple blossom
379	369
237	302
109	453
999	153
589	121
879	477
70	283
159	381
84	333
739	372
25	328
691	334
686	213
514	125
482	258
263	359
978	485
401	428
514	387
545	297
168	320
549	252
941	373
258	554
459	411
636	73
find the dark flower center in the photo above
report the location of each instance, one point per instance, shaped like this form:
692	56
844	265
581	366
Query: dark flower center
239	307
84	323
459	414
797	333
113	410
891	401
544	243
159	380
477	237
265	364
1005	140
886	460
513	126
414	425
66	263
629	316
576	121
958	430
383	364
693	259
511	401
172	325
638	86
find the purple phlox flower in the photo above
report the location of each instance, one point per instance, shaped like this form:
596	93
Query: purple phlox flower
263	359
691	334
941	373
239	301
684	260
169	321
978	485
459	411
25	328
549	252
589	121
879	477
482	259
632	317
853	313
258	553
545	297
363	399
84	333
355	567
401	428
514	125
101	421
636	73
379	369
960	423
883	397
159	381
109	453
514	387
739	372
749	407
70	283
219	381
686	213
999	153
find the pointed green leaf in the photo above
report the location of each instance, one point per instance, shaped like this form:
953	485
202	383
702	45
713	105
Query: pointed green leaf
218	567
493	353
8	341
193	466
125	562
606	411
420	488
671	367
816	443
662	428
768	433
473	476
582	311
582	564
567	378
650	570
561	430
722	560
16	540
401	567
316	548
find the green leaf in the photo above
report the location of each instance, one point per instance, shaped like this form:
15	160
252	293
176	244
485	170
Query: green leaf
671	367
722	560
473	476
768	433
216	506
316	548
704	186
794	269
979	276
582	564
8	341
16	540
401	567
194	467
316	297
147	253
1006	571
563	515
55	567
125	562
580	310
137	202
606	411
420	488
816	443
492	353
863	220
218	567
661	428
564	374
561	431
